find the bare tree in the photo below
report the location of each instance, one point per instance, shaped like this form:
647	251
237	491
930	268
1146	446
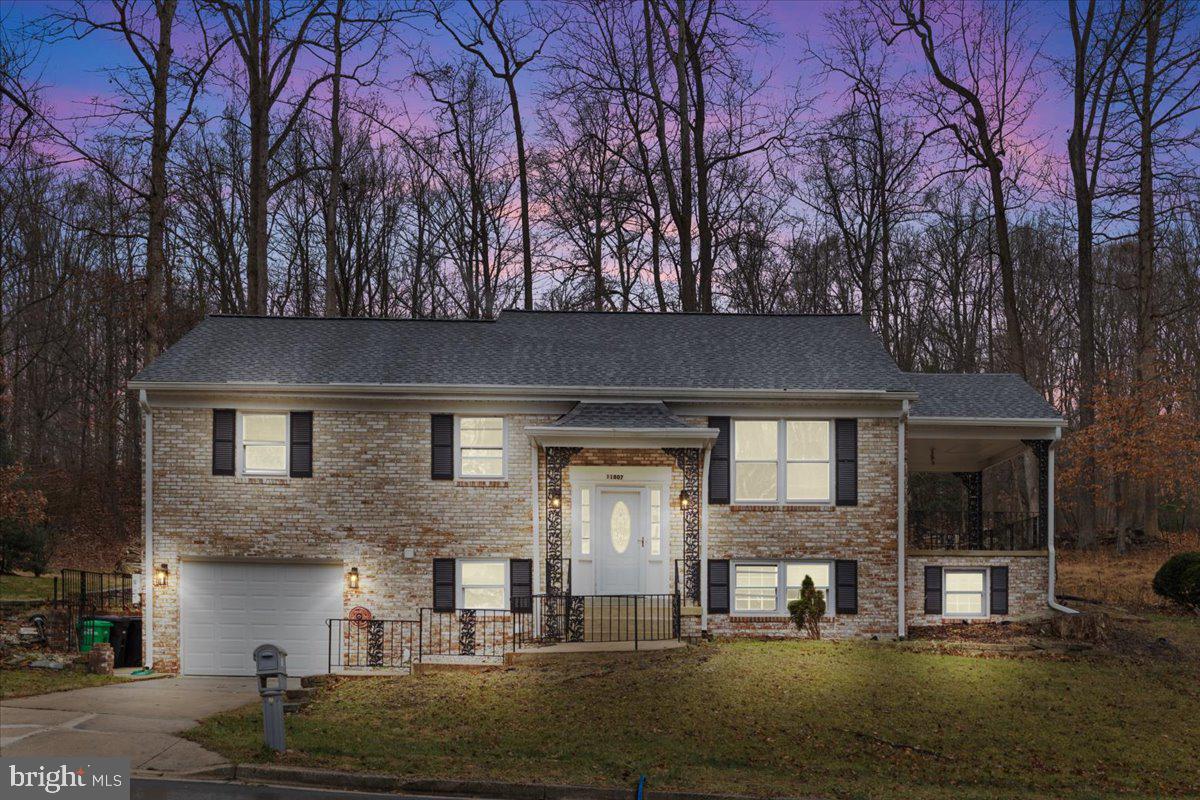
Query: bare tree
1102	39
984	85
504	45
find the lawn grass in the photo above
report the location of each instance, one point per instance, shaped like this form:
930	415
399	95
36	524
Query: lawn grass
848	719
26	587
26	682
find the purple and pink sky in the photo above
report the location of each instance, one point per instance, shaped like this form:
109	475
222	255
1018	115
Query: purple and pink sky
72	72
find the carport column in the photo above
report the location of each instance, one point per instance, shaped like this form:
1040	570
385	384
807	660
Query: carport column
148	531
973	483
1041	451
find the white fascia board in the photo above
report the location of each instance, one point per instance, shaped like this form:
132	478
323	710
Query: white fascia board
517	393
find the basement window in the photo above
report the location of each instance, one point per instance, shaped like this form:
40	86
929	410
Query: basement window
482	584
964	593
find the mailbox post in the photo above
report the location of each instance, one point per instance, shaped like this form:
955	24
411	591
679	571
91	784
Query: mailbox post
270	664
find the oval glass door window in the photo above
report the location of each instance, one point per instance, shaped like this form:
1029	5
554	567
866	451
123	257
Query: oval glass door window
620	526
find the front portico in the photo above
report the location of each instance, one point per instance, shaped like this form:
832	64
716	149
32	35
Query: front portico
621	485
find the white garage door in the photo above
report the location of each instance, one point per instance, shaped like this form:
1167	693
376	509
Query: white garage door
227	609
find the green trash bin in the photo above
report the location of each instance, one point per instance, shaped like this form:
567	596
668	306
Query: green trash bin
93	631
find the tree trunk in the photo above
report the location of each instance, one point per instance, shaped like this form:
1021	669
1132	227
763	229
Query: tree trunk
687	275
1147	355
523	176
156	258
259	47
332	307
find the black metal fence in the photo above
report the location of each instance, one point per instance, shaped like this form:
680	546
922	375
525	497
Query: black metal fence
373	643
85	594
999	531
606	617
480	633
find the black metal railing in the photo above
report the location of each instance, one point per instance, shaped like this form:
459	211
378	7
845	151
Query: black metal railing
481	633
372	643
605	618
999	531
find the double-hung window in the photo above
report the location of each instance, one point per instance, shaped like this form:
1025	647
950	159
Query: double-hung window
766	587
965	593
264	444
786	459
480	447
482	584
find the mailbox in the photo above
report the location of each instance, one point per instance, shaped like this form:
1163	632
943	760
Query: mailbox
270	665
270	659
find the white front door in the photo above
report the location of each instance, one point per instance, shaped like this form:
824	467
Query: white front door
620	542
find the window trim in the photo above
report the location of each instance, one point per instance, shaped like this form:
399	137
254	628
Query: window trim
459	596
240	444
781	462
458	476
984	592
781	586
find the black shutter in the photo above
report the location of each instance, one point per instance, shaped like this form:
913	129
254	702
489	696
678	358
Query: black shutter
933	590
224	420
847	461
718	464
520	581
300	458
441	429
999	604
443	584
846	580
718	586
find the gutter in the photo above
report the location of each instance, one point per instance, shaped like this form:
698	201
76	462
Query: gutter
148	530
1051	600
1032	422
517	392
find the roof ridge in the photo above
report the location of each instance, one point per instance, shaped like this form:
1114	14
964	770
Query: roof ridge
345	319
647	313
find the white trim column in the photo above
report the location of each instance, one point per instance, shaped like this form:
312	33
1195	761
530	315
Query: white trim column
147	530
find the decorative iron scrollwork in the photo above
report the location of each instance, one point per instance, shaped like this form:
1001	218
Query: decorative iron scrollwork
575	618
688	461
466	632
973	483
374	643
557	459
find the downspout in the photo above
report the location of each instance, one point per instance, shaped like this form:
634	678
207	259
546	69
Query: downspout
148	529
901	522
704	541
1050	598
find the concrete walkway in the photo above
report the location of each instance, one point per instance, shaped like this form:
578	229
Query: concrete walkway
136	720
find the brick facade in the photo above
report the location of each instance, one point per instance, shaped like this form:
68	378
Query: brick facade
1028	577
371	504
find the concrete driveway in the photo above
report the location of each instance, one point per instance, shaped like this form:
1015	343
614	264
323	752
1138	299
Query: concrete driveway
136	720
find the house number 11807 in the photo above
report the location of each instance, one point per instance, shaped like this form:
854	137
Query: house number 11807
614	476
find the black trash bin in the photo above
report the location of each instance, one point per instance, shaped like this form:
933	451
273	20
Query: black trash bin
126	639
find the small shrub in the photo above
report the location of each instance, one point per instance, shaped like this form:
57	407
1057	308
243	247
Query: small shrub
808	611
1179	579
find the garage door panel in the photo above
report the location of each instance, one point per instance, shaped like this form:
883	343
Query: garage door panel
228	609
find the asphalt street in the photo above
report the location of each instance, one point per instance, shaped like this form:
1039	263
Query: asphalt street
155	789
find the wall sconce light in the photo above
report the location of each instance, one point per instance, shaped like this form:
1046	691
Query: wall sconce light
556	500
160	575
353	577
685	499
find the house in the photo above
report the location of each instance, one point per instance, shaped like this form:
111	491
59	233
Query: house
308	479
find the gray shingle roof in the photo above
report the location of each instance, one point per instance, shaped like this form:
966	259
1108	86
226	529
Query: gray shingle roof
982	396
701	351
620	415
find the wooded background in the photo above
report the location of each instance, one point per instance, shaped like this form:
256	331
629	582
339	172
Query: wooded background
437	159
